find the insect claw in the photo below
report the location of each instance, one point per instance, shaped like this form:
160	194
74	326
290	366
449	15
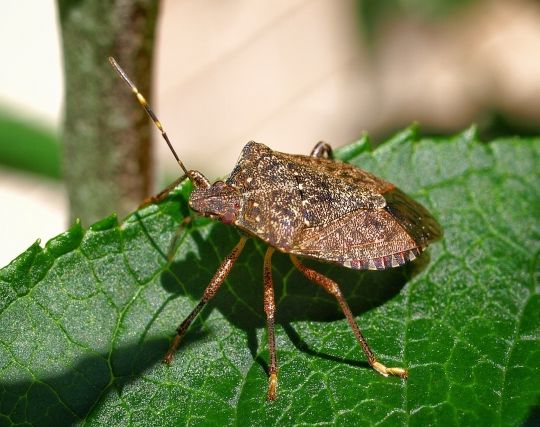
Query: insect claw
172	349
398	372
383	370
272	387
168	359
146	202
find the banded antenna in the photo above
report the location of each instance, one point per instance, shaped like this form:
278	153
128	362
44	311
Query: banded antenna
147	108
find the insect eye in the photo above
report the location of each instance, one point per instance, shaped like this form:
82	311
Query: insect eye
228	217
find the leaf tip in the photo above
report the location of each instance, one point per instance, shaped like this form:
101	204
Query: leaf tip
471	133
409	134
349	151
67	241
24	259
106	223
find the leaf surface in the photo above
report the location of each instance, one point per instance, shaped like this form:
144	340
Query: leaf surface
85	320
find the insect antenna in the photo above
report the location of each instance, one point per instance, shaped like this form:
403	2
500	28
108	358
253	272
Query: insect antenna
150	112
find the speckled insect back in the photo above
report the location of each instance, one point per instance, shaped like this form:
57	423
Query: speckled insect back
306	206
324	209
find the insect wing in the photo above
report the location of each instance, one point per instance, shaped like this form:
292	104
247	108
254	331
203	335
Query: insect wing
372	238
357	219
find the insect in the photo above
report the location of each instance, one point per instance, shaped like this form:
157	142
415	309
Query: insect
308	207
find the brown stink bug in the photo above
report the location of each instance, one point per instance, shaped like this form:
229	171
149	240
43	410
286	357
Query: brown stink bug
306	206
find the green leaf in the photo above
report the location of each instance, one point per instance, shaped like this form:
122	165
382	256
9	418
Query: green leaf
373	13
28	146
85	320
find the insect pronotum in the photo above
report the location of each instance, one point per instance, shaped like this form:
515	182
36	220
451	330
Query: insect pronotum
306	206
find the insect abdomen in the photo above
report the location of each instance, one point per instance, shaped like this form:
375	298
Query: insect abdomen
384	262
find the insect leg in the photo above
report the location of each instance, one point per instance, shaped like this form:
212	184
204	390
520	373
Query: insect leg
269	309
163	193
220	275
173	246
332	288
322	149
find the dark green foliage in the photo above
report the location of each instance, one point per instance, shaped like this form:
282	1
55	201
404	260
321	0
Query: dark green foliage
85	321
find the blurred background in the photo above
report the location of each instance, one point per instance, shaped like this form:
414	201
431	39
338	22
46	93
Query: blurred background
285	73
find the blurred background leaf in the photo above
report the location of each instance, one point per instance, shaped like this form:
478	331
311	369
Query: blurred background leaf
373	13
28	146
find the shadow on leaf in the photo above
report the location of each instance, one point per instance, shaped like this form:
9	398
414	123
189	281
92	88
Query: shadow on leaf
73	395
240	298
68	397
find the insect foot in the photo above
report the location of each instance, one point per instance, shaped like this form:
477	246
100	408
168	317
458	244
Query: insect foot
272	387
383	370
311	207
333	289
